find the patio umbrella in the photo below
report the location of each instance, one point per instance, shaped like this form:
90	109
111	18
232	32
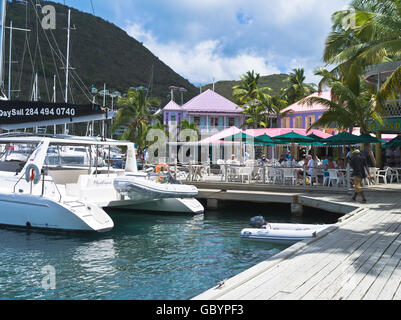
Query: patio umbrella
393	143
293	137
313	144
343	139
316	138
265	140
240	137
367	138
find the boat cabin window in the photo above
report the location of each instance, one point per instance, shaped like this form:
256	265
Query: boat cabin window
13	157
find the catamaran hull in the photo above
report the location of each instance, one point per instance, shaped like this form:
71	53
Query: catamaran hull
27	211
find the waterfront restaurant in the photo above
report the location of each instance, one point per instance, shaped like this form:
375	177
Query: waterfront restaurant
209	110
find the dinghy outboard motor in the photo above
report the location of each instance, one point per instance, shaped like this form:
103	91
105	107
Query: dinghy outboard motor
258	222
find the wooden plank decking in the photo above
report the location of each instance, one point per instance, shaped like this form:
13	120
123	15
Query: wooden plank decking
359	258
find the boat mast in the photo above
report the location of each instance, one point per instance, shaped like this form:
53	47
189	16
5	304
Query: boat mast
10	61
3	32
68	56
54	100
67	67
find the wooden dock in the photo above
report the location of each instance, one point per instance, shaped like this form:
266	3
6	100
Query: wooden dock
358	258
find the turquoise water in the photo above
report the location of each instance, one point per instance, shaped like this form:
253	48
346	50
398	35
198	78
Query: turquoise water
146	256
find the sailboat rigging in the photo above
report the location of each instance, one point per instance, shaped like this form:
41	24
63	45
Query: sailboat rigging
16	114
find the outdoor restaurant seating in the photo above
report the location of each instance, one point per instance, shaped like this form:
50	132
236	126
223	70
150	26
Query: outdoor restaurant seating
388	175
327	173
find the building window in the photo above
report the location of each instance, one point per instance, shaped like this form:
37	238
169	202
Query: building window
231	122
197	121
214	122
298	122
173	117
310	121
285	123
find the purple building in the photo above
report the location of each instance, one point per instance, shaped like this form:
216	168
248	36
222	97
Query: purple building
302	116
209	110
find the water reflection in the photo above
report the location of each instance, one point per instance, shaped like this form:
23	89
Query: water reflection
146	256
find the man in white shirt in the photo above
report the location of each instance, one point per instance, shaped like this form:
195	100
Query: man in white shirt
310	166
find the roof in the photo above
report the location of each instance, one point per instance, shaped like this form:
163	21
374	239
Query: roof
172	106
298	108
212	102
259	132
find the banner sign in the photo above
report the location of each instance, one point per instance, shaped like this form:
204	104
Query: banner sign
13	112
392	125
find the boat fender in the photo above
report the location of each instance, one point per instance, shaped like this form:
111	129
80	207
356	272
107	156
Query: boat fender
161	165
32	174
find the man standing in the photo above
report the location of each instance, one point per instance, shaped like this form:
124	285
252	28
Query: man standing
360	167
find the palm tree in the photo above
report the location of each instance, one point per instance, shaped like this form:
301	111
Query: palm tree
135	114
347	108
247	89
255	101
297	89
186	125
159	126
277	105
374	37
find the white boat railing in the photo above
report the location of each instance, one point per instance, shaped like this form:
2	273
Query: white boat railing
44	180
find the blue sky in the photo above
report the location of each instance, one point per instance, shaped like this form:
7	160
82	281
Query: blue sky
223	39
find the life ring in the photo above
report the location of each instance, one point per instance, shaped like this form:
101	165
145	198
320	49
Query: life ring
32	174
161	165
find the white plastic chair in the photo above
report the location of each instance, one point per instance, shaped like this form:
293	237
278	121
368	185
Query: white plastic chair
333	177
291	175
274	174
222	165
245	172
387	175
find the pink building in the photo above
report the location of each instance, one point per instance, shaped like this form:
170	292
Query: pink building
209	110
302	116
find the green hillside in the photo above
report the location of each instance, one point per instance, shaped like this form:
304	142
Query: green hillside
100	53
275	82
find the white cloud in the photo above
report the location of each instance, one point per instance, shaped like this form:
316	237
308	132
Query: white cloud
226	38
204	61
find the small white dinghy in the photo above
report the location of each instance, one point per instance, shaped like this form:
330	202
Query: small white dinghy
281	233
140	188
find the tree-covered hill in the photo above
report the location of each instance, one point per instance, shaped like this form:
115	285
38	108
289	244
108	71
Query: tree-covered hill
100	53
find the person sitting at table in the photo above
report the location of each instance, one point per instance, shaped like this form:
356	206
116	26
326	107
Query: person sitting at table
234	160
330	163
326	166
301	162
341	163
282	159
311	165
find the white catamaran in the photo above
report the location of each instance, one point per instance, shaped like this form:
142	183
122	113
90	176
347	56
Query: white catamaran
35	194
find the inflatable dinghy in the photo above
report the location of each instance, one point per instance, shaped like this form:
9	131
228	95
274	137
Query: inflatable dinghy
281	233
142	189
